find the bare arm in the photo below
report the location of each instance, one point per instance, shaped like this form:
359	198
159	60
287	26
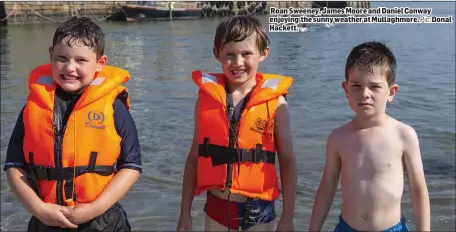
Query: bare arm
49	214
417	182
286	157
189	184
16	174
115	190
20	186
328	186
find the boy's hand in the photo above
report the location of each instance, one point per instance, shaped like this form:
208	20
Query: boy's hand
80	213
185	222
54	215
285	224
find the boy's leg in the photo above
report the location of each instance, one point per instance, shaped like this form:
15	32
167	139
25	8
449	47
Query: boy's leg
212	225
270	226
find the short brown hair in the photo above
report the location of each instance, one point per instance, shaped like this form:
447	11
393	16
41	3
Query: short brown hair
237	29
372	55
82	30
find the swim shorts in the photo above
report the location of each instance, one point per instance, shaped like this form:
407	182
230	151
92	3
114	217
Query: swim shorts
113	220
236	214
401	226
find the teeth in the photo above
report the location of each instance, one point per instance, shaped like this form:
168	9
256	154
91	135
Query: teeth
238	72
69	77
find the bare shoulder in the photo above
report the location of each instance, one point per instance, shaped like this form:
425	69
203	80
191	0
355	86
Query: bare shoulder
339	134
408	138
282	112
282	129
406	132
281	101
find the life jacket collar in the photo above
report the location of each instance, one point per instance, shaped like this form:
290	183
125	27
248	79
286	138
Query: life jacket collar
268	86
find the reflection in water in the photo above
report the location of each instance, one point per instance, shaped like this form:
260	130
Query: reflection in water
160	57
135	45
4	53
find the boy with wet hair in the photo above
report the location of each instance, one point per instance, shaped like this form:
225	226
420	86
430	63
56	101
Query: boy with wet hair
241	121
372	151
74	152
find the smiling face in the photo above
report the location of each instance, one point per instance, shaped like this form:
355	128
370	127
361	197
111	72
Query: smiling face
240	60
368	92
74	65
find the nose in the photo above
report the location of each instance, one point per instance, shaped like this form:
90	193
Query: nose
70	67
238	60
365	93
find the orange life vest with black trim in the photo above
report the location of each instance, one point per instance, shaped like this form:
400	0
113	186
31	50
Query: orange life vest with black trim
238	156
77	167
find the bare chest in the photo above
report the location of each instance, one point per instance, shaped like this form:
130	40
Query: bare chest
374	152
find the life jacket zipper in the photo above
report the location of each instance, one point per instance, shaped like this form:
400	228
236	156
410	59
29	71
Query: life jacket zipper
233	134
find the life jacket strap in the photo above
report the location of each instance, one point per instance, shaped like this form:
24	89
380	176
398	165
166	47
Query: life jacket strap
31	177
50	173
226	155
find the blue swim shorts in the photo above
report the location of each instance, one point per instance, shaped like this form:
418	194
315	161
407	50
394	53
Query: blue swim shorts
401	226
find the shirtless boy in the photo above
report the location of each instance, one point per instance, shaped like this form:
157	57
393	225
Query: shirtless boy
241	121
373	151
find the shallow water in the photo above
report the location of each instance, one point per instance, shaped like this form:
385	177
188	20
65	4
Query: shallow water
160	57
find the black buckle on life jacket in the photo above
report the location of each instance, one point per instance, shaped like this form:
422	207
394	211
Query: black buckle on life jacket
225	155
258	154
205	148
41	172
50	173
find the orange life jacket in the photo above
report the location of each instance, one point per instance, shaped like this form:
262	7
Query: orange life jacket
242	161
76	168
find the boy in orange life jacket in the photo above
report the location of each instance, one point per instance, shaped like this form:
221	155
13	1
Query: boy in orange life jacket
74	152
372	152
241	120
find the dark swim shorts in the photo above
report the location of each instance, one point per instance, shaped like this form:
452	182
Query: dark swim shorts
244	215
113	220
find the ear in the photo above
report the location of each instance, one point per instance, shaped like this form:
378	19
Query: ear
102	62
392	92
51	51
264	54
215	54
345	87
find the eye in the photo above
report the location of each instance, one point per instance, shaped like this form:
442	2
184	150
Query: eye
61	58
247	53
355	85
376	86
